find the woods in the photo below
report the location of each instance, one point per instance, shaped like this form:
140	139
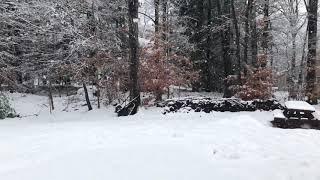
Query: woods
225	46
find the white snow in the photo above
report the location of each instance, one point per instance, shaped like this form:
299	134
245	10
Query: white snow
278	114
97	145
299	105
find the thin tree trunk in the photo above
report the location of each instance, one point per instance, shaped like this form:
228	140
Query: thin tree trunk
156	21
165	26
164	19
87	96
156	15
51	104
209	63
266	34
312	51
254	36
98	95
292	73
271	45
302	64
158	95
133	7
247	31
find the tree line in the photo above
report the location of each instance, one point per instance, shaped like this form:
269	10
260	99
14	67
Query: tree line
232	46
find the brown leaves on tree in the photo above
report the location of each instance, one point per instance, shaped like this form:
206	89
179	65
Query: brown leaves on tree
161	68
258	82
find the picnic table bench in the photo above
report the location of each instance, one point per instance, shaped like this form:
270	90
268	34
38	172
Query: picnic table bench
297	114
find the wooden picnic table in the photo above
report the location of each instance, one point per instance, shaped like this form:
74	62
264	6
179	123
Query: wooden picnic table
297	114
299	110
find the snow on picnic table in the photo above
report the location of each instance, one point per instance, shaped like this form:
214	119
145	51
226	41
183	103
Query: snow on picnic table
299	105
98	145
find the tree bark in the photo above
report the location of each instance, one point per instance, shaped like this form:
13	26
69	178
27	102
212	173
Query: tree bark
226	40
133	7
302	66
156	16
51	104
254	36
266	34
247	30
164	19
292	73
98	96
237	31
312	51
209	63
87	96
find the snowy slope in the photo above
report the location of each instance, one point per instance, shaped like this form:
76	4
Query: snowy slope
97	145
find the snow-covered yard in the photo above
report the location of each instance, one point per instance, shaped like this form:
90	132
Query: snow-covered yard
97	145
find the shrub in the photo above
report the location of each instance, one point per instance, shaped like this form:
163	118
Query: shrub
6	111
257	84
161	68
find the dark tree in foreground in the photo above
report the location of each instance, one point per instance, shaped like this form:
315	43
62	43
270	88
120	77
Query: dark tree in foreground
312	51
133	7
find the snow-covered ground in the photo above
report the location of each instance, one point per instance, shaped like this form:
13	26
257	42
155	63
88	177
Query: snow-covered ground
97	145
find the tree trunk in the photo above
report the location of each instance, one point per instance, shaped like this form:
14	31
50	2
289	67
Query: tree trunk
87	96
165	26
98	93
226	50
156	16
209	63
237	31
247	31
133	7
156	21
254	36
292	73
158	95
312	51
302	66
50	97
164	19
266	34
